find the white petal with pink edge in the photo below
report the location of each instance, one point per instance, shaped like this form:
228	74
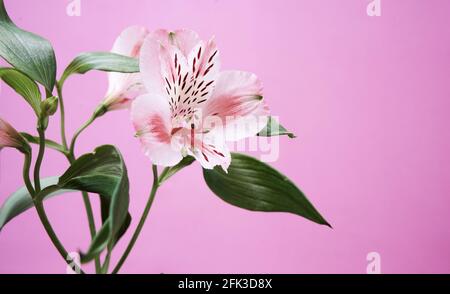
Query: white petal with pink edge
151	118
211	151
185	40
123	87
238	102
130	41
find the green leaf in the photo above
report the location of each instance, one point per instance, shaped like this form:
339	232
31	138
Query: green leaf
24	86
98	244
123	229
254	185
170	171
20	201
103	61
27	52
49	143
105	206
273	128
102	172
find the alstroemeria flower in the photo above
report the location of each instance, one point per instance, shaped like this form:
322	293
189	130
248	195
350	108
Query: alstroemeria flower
124	87
186	92
9	137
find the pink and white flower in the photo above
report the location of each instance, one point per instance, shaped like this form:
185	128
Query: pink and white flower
124	87
9	137
192	108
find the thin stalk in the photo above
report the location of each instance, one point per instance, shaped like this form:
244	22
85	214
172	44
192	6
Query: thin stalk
79	131
42	215
71	158
26	172
63	115
141	221
39	206
51	233
163	175
107	261
91	221
40	157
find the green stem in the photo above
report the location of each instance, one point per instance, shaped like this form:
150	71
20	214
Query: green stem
63	115
87	202
38	203
92	229
71	158
107	262
51	233
141	221
26	173
163	175
40	157
41	213
79	131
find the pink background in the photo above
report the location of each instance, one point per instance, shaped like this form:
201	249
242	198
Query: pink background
368	98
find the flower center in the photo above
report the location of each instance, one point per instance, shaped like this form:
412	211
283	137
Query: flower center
188	86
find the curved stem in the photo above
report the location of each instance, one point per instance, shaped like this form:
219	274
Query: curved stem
26	173
51	233
40	157
141	221
79	131
63	115
39	206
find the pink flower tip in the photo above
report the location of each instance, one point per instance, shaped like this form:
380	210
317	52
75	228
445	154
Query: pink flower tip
124	87
9	137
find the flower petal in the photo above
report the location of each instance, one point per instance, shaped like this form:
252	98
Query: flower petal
204	61
9	137
211	152
124	86
173	70
194	86
130	41
163	155
238	102
185	40
155	46
150	115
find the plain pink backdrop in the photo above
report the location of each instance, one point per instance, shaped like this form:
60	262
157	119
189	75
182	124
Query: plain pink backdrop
368	97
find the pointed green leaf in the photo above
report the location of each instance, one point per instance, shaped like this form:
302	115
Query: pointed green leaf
98	243
24	86
27	52
20	201
273	128
105	206
103	61
102	172
254	185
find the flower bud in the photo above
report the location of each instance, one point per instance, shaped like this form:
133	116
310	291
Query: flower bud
9	137
49	106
